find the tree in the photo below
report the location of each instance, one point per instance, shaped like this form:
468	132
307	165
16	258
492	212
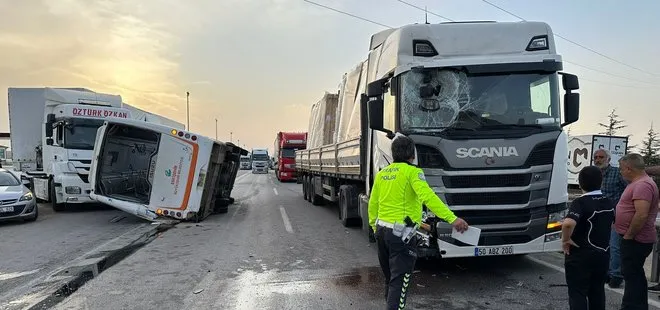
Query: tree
613	124
651	147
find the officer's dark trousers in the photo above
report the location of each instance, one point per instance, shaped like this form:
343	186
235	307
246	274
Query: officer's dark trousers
586	271
397	260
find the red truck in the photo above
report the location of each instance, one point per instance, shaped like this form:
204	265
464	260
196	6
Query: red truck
286	144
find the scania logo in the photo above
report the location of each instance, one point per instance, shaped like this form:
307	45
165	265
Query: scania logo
477	152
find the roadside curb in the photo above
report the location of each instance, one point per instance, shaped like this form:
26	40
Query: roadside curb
67	279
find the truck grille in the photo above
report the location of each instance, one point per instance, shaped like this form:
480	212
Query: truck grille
430	157
488	217
504	198
478	181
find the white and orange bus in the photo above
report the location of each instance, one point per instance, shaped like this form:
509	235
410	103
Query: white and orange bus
153	171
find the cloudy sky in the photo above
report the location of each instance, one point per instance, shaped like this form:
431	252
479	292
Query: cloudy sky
258	65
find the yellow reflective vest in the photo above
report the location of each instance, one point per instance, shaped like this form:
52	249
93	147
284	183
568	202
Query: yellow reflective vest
399	190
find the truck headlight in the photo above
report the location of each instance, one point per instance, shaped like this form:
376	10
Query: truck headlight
75	190
26	197
555	219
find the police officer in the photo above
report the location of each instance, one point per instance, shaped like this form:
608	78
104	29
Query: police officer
398	192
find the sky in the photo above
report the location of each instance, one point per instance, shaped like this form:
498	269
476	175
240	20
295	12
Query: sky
257	66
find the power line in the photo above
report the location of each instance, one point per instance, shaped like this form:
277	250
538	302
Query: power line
573	42
349	14
421	9
608	73
566	61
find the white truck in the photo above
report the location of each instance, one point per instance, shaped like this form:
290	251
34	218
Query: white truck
581	152
154	171
260	160
53	131
481	101
245	162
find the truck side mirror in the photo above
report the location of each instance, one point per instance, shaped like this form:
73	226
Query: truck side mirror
571	108
50	120
49	141
569	81
376	117
376	88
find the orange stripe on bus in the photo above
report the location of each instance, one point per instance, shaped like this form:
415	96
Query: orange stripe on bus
191	174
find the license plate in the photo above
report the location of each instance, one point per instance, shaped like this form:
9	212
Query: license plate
498	250
6	209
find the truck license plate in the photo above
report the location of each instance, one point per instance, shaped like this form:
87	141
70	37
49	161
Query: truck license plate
6	209
498	250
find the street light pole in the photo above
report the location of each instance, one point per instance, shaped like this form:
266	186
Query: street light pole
216	128
188	110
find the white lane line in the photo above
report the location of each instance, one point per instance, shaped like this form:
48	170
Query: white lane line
275	190
285	218
7	276
652	302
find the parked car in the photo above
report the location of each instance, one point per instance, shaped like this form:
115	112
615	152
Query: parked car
16	200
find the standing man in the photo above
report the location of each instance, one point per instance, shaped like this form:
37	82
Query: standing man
635	222
585	241
398	192
612	188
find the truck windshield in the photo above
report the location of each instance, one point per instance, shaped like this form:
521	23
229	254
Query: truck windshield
244	160
288	153
260	157
81	136
125	162
438	99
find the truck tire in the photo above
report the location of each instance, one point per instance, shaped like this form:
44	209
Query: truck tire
317	200
304	187
57	207
348	206
309	188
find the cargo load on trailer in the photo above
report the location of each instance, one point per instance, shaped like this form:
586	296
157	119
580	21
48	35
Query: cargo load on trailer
481	101
151	171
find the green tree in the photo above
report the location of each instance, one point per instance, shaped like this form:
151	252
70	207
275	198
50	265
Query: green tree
613	125
651	147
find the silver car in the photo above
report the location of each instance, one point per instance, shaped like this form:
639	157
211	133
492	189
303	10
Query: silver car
16	200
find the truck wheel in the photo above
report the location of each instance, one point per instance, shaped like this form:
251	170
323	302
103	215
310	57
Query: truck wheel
317	200
308	180
348	206
304	187
57	207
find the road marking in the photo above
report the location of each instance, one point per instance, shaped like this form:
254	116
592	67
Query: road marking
275	190
652	302
7	276
285	218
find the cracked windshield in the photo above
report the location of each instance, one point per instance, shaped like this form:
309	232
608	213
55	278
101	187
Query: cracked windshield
317	154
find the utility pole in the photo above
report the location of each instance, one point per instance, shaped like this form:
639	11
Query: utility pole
216	128
188	111
230	134
238	143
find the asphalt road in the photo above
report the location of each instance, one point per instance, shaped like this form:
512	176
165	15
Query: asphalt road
31	251
273	250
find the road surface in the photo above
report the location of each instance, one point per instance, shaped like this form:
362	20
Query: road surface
274	250
31	251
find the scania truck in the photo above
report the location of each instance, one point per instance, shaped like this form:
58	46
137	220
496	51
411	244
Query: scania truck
286	145
481	101
53	131
154	171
